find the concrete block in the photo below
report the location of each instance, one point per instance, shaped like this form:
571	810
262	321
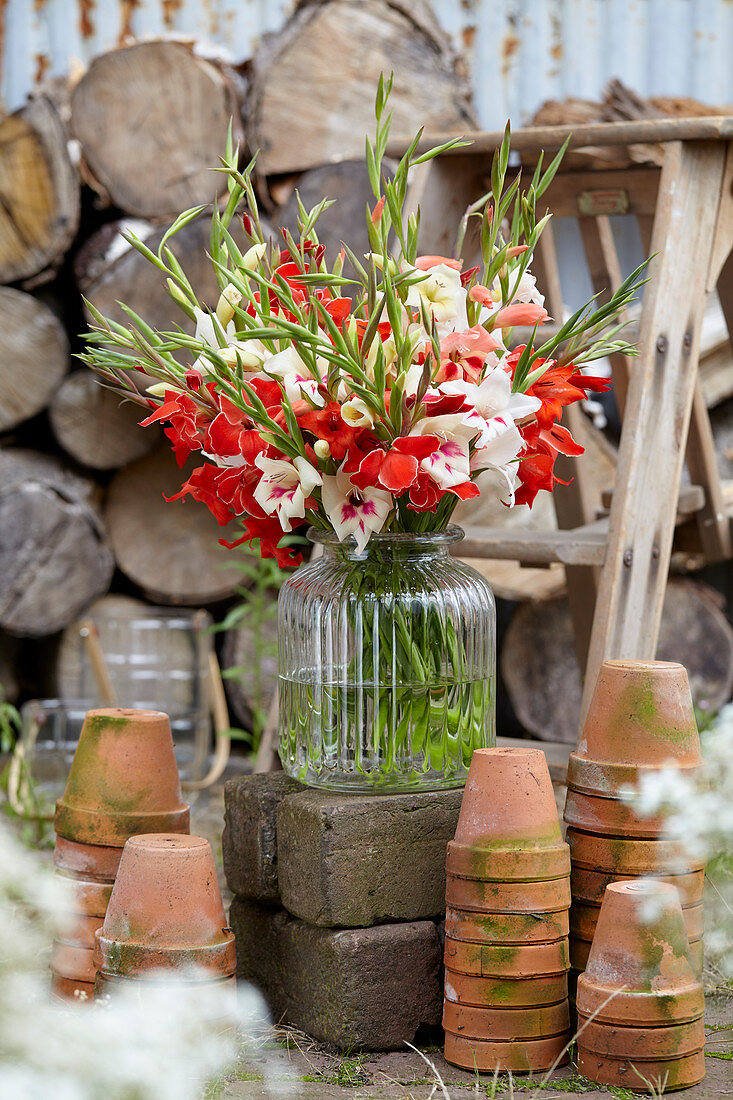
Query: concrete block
354	988
356	860
250	833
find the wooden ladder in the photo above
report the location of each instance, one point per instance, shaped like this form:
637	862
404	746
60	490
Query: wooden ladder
617	566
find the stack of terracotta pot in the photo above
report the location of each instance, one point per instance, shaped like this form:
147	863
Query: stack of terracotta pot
640	1003
640	720
165	914
508	896
123	780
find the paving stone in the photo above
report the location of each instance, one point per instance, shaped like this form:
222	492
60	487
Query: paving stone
354	988
250	833
351	861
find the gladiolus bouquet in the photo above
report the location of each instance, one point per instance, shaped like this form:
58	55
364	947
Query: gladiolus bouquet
372	393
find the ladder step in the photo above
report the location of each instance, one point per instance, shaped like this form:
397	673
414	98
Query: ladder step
690	500
582	546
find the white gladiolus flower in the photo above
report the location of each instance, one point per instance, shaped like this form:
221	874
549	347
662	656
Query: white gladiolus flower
285	487
353	511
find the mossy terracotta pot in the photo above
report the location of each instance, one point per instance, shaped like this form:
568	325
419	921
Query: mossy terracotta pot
123	780
664	1075
506	1024
584	919
639	970
527	1056
72	989
633	857
507	961
595	814
507	897
506	928
580	950
588	886
641	713
467	989
108	984
86	897
508	864
166	910
81	931
648	1043
68	961
87	861
508	802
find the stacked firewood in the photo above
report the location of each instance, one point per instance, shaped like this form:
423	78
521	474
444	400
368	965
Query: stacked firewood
128	145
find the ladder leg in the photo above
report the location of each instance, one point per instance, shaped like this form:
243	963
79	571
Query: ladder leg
634	575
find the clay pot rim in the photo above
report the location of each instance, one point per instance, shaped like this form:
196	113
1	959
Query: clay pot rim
501	1018
581	886
604	820
592	1028
173	954
523	988
584	773
70	961
174	844
508	864
483	968
87	826
628	862
161	977
644	1008
542	1053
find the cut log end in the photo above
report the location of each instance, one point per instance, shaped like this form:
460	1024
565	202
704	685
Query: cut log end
34	356
95	426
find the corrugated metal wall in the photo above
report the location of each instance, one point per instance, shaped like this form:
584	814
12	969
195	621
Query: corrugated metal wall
520	52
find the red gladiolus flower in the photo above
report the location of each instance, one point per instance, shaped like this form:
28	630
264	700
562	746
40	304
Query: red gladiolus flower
328	424
184	424
269	532
202	485
397	468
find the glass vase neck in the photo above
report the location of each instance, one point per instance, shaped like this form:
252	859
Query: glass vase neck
390	546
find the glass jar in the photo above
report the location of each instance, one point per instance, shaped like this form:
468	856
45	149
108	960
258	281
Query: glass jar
387	662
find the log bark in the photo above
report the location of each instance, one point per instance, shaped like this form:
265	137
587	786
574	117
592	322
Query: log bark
152	121
39	192
253	648
34	356
312	91
95	426
543	680
54	557
170	551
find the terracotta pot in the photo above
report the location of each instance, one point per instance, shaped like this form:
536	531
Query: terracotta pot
81	931
508	897
676	1073
508	864
165	910
596	814
72	962
86	898
466	989
640	959
580	950
109	983
506	1024
529	1056
648	1043
508	802
588	886
87	861
621	856
584	918
71	989
641	713
506	928
123	780
610	780
505	960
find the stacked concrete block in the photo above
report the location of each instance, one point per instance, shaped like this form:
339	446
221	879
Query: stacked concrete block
339	906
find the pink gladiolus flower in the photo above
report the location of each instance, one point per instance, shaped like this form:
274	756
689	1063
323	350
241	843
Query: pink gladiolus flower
424	263
521	313
481	294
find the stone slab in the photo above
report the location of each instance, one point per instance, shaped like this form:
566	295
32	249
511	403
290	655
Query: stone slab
250	833
353	988
351	861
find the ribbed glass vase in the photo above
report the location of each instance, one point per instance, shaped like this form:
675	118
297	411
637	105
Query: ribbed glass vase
386	665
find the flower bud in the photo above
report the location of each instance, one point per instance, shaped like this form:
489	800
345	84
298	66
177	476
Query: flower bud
249	360
228	299
160	389
322	449
194	379
177	294
252	256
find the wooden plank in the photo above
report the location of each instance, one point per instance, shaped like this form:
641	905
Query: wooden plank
661	389
723	241
691	500
583	546
605	274
533	138
635	188
702	464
